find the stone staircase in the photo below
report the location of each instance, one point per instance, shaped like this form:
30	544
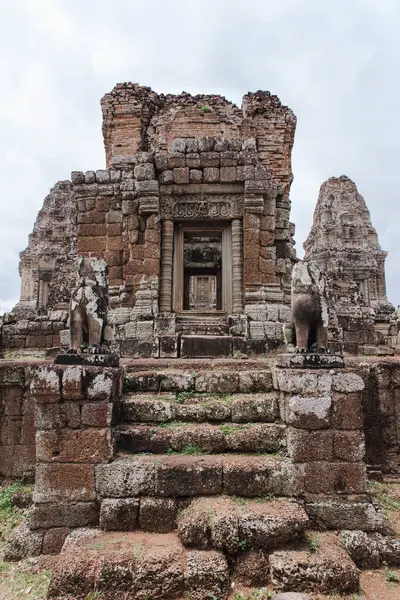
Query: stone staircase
200	495
202	486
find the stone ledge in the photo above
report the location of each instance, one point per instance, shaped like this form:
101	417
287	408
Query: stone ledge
91	360
310	361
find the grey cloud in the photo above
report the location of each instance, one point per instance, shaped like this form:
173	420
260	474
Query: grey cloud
335	64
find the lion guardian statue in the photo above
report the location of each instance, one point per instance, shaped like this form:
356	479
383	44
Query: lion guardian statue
309	308
89	304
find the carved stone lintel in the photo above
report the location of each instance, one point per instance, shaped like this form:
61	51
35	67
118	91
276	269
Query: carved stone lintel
197	207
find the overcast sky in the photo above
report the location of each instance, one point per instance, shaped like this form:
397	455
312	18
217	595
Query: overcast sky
335	63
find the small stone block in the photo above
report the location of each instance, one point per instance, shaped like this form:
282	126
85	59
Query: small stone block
119	514
93	360
310	361
205	346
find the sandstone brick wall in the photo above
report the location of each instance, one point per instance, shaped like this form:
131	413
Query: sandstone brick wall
73	413
136	118
325	438
381	407
17	427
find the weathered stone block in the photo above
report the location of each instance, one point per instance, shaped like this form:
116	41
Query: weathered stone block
249	478
303	382
252	569
12	398
347	382
308	446
75	446
180	476
144	172
63	514
161	161
220	383
77	177
195	346
344	514
158	514
64	482
211	174
347	411
176	160
181	175
147	188
305	412
126	478
119	514
257	330
71	383
23	543
45	385
147	410
96	415
54	540
57	416
209	159
333	478
102	176
228	174
100	386
349	445
326	570
193	160
206	573
195	176
177	382
166	177
255	407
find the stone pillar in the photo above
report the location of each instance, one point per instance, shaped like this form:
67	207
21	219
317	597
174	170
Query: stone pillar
167	246
73	416
322	409
237	265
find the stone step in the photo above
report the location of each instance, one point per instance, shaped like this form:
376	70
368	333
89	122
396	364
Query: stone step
136	565
228	381
321	566
236	525
195	365
202	326
184	437
180	476
198	407
206	346
144	565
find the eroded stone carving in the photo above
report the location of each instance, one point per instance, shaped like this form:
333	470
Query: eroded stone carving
193	207
89	304
309	308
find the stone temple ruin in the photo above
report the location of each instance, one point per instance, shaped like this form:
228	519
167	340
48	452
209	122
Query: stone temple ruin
192	218
218	473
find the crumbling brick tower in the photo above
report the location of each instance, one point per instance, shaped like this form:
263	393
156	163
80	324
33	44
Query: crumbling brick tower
195	226
192	217
344	245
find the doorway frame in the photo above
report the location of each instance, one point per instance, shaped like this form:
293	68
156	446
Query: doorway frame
225	227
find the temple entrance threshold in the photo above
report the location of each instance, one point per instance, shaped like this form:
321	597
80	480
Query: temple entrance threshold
201	282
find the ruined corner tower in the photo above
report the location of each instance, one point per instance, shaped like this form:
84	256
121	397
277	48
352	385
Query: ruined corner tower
191	216
344	245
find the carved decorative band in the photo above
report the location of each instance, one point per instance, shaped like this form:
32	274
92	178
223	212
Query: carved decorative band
222	208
